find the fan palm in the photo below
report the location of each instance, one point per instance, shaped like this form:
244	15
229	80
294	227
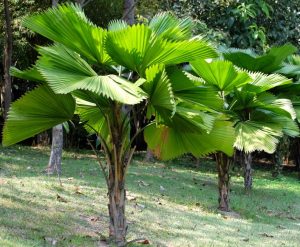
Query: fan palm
259	117
101	74
276	60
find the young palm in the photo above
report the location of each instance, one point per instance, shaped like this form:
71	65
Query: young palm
273	61
259	117
101	74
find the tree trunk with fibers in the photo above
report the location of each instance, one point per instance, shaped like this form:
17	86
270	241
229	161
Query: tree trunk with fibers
247	164
118	159
56	150
7	57
223	165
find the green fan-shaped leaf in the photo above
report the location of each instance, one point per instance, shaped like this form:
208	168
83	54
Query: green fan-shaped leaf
193	92
168	143
68	25
265	82
137	47
31	74
257	136
94	120
116	25
37	111
221	74
267	63
66	71
168	26
159	89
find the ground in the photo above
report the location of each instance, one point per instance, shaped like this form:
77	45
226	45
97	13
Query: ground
169	204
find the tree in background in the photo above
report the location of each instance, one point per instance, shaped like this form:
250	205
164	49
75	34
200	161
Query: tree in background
259	118
7	60
273	61
249	23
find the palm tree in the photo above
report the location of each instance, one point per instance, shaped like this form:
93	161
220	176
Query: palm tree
101	74
273	61
259	117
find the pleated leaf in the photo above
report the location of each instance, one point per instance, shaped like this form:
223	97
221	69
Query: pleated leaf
68	25
265	82
158	87
267	63
221	74
168	26
193	92
257	136
168	143
37	111
137	47
31	74
66	71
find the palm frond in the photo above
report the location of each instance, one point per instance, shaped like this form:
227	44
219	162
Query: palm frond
68	25
168	143
257	136
36	111
66	71
221	74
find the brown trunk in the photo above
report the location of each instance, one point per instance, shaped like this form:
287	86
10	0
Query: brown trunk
7	56
129	9
116	208
223	165
56	150
247	163
118	161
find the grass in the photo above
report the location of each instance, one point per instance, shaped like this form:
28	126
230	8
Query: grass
170	204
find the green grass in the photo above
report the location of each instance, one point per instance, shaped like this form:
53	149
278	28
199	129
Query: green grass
184	215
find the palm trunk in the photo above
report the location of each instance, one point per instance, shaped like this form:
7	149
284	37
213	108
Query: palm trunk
247	163
118	160
7	57
223	165
116	208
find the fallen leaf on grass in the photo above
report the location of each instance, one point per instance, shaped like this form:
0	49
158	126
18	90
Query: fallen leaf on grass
78	191
2	181
280	227
162	188
52	241
95	219
145	241
142	183
131	198
266	235
139	206
60	198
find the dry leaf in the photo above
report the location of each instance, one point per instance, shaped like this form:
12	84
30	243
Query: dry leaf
131	198
266	235
145	241
142	183
61	199
161	188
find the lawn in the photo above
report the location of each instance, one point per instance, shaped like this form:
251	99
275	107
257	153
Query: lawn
169	204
